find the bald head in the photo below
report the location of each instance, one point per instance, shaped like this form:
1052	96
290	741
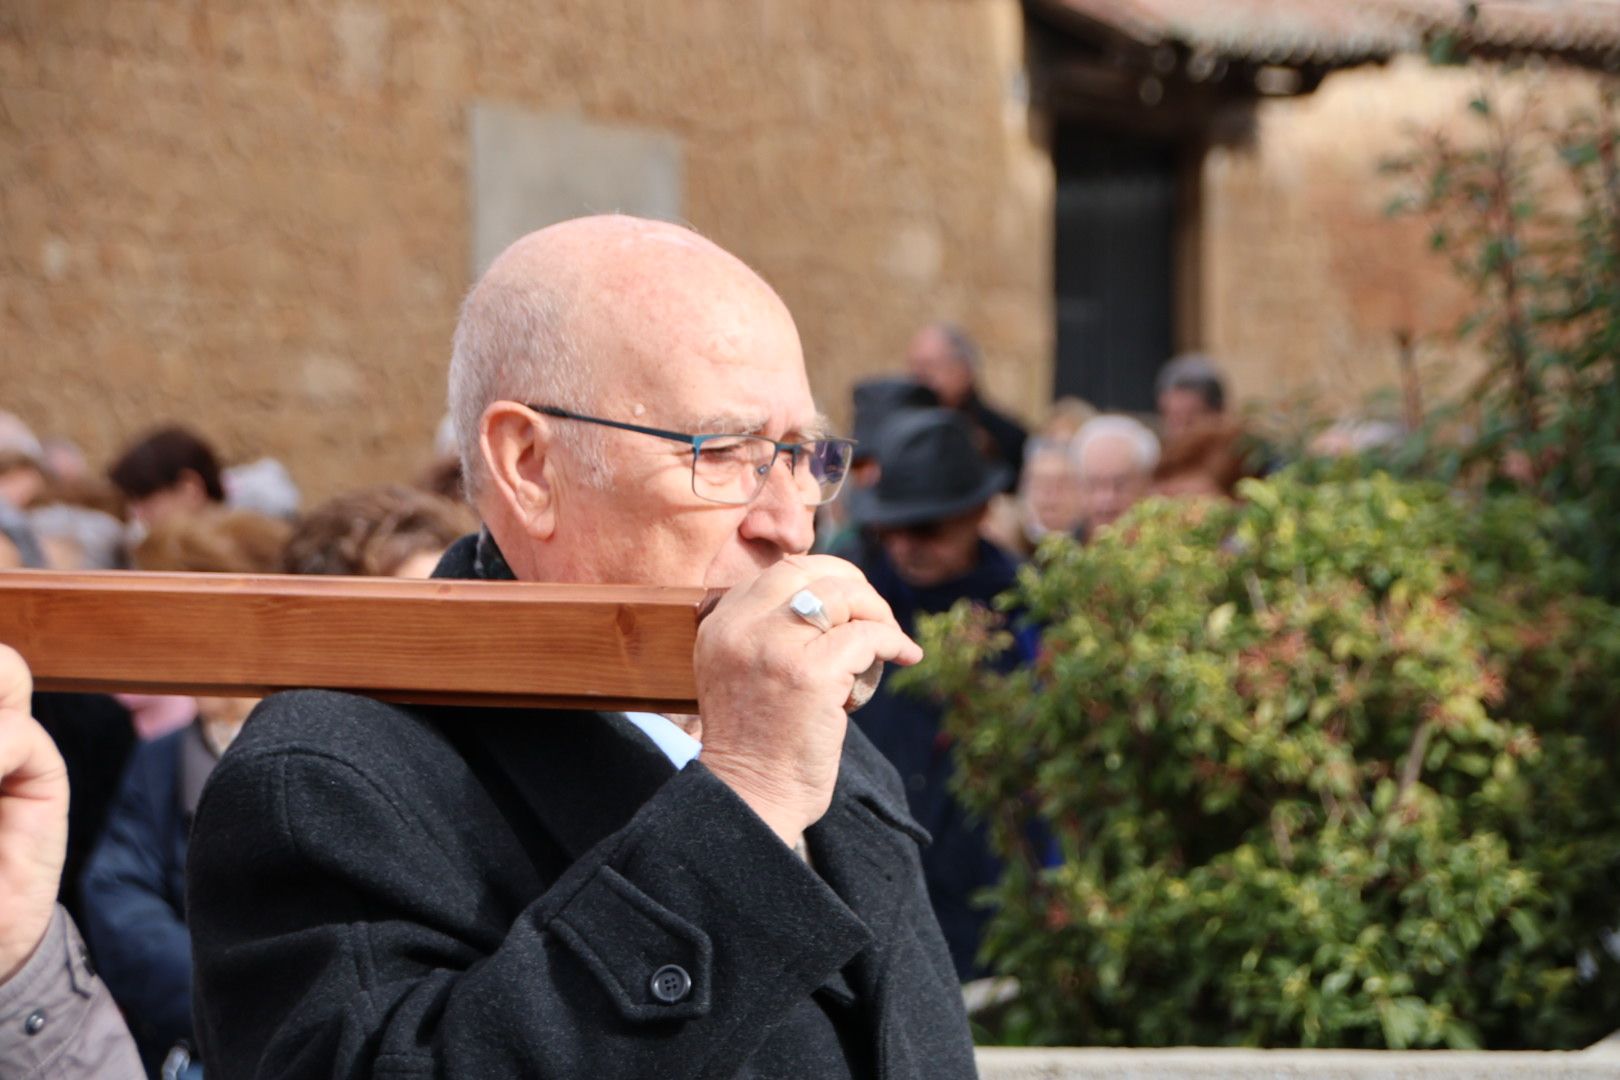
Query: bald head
642	334
600	311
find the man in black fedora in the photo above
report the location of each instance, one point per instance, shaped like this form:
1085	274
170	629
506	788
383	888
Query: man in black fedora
923	553
876	400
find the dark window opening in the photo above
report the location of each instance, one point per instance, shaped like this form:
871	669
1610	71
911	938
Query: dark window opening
1114	266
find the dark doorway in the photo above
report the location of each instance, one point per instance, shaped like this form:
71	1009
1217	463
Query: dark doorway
1113	269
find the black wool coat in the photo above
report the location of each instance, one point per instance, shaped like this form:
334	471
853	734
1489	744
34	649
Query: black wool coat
377	890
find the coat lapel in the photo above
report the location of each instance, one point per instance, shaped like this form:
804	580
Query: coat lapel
865	848
582	774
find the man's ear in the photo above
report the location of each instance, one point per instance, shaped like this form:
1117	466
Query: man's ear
516	444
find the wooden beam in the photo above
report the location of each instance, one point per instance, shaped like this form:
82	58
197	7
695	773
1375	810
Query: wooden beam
426	642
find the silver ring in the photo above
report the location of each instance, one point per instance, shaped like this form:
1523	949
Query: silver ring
808	606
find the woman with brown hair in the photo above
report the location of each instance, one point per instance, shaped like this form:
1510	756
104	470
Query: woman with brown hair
388	531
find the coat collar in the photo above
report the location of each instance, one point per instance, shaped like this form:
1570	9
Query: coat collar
595	770
584	775
474	557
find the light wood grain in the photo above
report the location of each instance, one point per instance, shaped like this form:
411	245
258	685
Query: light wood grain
462	642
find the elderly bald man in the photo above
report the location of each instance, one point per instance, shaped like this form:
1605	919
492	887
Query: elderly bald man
482	893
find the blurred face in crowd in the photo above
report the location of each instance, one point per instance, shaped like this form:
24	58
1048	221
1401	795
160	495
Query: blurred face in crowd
931	359
21	482
1051	490
681	336
66	461
185	496
935	552
419	566
62	553
1112	479
222	719
1182	411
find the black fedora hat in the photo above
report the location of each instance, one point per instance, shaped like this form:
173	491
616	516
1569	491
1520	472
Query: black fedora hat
878	399
931	470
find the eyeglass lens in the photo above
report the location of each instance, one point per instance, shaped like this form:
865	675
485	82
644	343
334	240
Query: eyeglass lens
735	468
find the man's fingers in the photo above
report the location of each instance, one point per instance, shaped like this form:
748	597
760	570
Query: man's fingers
773	588
846	600
30	765
825	566
855	646
16	681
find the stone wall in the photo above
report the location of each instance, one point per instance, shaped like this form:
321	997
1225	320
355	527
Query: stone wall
255	218
1307	279
260	218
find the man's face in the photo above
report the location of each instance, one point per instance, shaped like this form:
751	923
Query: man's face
933	362
222	719
724	359
1111	480
1181	411
21	484
185	496
936	552
1051	488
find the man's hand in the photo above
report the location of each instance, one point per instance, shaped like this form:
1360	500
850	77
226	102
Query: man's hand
771	688
33	819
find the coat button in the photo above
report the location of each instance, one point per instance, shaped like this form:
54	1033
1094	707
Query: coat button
671	984
36	1022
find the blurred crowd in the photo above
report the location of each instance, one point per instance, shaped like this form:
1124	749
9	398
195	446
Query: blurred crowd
137	763
1078	472
946	495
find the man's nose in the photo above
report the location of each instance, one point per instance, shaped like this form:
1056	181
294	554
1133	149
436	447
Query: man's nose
778	514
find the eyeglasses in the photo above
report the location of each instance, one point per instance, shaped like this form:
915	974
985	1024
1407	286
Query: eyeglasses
732	469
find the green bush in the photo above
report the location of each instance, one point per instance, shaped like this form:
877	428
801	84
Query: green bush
1527	207
1335	766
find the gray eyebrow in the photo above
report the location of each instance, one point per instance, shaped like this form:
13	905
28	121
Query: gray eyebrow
730	424
740	424
819	428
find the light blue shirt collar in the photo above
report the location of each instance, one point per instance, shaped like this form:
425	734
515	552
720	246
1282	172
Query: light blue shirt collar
676	744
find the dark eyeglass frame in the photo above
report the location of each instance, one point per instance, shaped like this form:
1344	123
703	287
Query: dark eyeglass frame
795	451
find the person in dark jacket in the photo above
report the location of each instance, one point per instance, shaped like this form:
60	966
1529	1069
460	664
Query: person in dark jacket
134	883
95	736
454	892
133	888
57	1020
875	400
944	358
922	554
